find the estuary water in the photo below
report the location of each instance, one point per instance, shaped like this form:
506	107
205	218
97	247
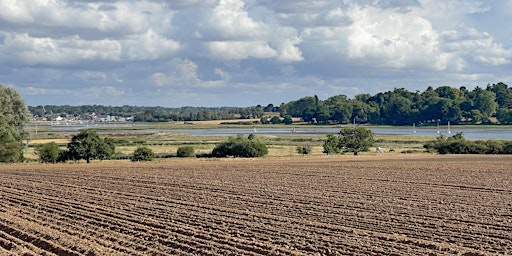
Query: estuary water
469	132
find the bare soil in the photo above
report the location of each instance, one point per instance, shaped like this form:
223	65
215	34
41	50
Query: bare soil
393	205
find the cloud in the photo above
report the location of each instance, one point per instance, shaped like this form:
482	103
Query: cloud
235	35
224	51
27	50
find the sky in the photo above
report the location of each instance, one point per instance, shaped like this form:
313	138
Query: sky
243	53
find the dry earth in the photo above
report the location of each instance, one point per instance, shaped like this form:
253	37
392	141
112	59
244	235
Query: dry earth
393	205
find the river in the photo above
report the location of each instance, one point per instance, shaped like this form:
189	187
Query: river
469	132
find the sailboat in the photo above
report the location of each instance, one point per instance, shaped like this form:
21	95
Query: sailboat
449	131
414	127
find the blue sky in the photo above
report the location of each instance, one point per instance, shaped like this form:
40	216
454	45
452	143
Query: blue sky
247	52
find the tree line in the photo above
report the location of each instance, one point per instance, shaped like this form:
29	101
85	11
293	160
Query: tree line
402	107
149	114
397	107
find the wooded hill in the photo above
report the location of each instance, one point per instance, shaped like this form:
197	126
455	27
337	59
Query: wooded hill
398	107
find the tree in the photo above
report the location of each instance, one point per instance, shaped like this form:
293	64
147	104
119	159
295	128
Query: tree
88	145
355	139
107	149
142	154
14	116
275	120
48	152
11	148
485	102
287	120
331	145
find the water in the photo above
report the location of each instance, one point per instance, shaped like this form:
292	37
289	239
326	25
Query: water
470	132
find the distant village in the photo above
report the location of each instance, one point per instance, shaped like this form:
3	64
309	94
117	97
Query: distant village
81	119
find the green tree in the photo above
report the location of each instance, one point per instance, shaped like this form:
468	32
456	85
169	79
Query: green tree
107	149
275	120
88	145
331	145
11	147
142	154
355	140
185	151
287	119
504	115
48	152
485	102
14	117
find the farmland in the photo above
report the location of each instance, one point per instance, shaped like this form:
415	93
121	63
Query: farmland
343	205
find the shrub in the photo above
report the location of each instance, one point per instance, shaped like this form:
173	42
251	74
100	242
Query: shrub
304	150
331	145
458	145
142	154
48	152
507	147
186	151
240	147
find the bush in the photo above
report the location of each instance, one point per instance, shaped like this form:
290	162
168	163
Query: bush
458	145
142	154
240	147
304	150
48	152
186	151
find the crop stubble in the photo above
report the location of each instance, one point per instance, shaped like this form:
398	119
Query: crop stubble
414	205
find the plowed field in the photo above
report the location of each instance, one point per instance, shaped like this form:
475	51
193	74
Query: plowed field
365	205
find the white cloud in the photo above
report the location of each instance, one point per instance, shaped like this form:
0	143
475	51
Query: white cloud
178	73
149	46
237	50
236	36
64	51
130	50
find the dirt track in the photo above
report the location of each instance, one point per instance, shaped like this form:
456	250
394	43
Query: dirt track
404	205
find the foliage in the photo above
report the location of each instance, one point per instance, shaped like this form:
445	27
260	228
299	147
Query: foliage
401	107
397	107
151	114
88	145
143	154
107	149
457	144
186	151
11	145
14	117
240	147
304	149
275	120
355	140
331	145
287	120
48	152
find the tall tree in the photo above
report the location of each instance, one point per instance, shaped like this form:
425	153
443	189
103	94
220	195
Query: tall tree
485	102
14	117
355	139
88	145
